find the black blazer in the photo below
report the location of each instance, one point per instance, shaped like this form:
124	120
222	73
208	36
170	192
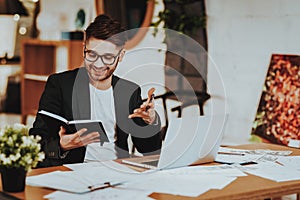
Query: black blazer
67	94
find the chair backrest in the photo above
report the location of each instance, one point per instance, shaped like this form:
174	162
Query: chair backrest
184	99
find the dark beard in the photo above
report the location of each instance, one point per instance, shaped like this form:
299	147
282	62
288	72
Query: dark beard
96	78
107	76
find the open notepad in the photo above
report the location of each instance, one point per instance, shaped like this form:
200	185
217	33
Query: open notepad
54	121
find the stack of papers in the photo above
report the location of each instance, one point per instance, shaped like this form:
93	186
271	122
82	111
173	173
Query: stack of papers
187	181
242	156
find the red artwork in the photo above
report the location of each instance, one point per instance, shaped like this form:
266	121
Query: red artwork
278	115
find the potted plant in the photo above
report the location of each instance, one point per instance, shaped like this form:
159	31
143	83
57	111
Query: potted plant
19	152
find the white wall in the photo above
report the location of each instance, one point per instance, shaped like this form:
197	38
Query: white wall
242	35
144	64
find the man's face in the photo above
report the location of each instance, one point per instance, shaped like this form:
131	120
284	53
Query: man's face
101	58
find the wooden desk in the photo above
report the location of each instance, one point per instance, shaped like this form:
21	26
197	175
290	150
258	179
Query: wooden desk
249	187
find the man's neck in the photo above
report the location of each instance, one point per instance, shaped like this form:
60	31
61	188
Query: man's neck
102	85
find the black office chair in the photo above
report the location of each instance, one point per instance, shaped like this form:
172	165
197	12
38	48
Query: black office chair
184	97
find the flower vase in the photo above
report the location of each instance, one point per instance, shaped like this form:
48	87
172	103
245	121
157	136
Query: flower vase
13	179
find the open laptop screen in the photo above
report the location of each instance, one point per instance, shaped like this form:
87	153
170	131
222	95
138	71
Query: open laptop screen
192	140
189	140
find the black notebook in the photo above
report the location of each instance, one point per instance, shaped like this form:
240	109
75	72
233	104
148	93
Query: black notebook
54	121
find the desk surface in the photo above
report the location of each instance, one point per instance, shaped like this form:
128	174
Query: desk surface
248	187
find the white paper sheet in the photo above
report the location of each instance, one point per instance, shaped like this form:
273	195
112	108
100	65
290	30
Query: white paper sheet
109	164
233	151
273	171
242	156
106	194
223	170
238	159
79	181
185	185
290	161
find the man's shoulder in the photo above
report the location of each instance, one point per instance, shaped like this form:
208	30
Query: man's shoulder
121	82
72	72
65	75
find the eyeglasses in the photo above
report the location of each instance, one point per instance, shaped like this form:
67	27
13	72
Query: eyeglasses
107	59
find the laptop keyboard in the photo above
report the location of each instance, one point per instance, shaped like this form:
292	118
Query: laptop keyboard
152	163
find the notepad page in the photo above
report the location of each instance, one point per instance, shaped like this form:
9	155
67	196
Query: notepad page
53	115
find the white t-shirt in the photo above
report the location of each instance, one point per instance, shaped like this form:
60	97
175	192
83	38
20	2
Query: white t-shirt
103	108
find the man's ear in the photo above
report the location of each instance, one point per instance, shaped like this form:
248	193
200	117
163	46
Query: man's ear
83	47
84	42
122	55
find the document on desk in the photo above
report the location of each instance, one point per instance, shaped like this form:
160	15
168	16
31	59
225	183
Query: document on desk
224	170
191	185
233	151
107	194
292	162
243	156
82	180
237	159
273	171
109	164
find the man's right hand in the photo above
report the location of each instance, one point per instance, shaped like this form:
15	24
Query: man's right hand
78	139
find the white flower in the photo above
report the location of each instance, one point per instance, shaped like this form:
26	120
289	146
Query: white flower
2	156
14	157
18	127
10	141
37	137
41	156
6	161
27	158
27	141
18	149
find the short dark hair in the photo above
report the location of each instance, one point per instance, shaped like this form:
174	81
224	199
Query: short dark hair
106	28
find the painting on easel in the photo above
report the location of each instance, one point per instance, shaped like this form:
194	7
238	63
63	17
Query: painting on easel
278	115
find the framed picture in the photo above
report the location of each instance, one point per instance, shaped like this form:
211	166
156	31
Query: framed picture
278	115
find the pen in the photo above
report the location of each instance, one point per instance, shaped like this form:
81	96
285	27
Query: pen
228	153
102	186
151	100
279	163
151	97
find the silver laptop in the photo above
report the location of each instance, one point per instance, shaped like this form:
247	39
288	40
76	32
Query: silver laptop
189	140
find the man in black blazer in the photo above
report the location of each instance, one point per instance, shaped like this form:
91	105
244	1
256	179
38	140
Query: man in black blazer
74	94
